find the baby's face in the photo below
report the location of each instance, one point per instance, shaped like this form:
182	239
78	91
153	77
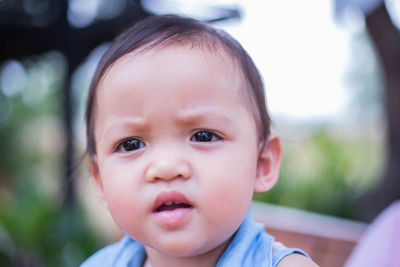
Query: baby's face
176	149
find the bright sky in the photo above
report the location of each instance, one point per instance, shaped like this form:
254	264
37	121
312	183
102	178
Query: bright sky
296	45
301	54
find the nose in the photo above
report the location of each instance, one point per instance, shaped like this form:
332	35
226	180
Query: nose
167	168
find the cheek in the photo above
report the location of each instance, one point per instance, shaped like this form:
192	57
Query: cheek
230	186
121	194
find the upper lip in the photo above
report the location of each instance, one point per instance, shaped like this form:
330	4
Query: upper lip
168	196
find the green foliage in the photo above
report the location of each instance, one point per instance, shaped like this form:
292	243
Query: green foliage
42	234
36	228
326	173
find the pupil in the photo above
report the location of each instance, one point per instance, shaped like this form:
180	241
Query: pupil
203	136
131	144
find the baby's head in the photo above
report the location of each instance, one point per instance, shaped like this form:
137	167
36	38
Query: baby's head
178	135
162	31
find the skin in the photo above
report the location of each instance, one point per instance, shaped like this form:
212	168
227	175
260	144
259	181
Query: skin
162	99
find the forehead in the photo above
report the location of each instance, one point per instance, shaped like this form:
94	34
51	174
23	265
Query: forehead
170	83
178	66
178	54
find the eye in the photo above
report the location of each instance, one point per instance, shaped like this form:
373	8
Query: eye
130	145
204	136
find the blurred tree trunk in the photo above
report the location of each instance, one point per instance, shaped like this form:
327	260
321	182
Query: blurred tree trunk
17	30
386	38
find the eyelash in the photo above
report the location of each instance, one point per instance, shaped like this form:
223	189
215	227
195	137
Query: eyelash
202	134
136	143
132	144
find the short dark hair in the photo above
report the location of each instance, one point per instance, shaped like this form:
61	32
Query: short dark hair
172	29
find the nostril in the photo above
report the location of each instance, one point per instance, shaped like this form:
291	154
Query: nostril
184	171
167	170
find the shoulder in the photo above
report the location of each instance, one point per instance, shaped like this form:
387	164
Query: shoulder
116	254
297	260
105	256
284	257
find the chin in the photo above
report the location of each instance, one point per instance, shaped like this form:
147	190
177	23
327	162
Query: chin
181	248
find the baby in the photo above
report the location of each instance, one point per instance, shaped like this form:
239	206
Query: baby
179	140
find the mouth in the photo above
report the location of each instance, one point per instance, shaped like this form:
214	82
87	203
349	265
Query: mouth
171	200
171	208
172	205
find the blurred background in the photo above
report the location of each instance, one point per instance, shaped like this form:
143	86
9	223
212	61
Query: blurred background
331	71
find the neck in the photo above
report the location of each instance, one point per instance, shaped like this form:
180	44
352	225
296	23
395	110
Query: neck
210	258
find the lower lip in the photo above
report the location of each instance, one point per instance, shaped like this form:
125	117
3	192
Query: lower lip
172	217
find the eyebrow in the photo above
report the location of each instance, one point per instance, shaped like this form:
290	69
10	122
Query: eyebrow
138	123
191	116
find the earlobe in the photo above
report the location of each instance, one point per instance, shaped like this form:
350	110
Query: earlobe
94	170
268	165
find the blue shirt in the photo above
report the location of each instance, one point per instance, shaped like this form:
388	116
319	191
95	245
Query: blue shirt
250	246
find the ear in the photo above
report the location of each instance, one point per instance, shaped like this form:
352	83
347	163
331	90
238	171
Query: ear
94	170
269	162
